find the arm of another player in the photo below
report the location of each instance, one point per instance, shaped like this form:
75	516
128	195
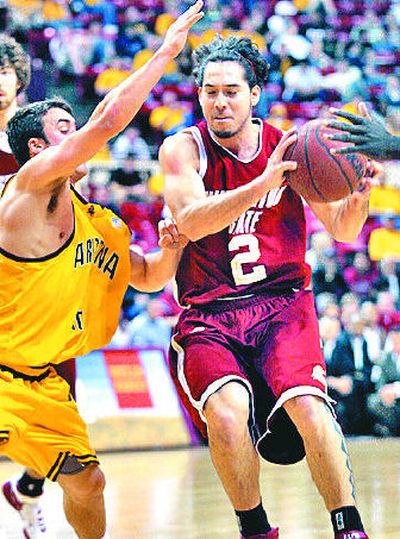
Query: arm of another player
345	218
198	215
151	272
113	113
367	134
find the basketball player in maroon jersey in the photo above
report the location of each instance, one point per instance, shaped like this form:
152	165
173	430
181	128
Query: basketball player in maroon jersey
250	323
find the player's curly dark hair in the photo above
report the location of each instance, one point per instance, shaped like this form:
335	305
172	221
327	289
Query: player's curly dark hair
236	49
27	123
12	54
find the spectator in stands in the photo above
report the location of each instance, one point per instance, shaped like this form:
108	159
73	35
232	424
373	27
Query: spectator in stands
389	278
328	277
302	82
388	315
327	305
171	115
321	245
67	51
391	94
113	75
361	275
101	47
349	304
318	58
149	327
384	404
298	47
346	80
372	332
329	329
278	117
126	173
130	142
349	378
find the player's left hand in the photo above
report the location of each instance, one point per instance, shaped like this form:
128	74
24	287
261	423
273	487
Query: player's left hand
169	236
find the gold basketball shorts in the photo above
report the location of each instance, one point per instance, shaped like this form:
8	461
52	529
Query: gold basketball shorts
40	426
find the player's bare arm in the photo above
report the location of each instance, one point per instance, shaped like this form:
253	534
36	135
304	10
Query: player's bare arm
198	215
151	272
113	114
345	218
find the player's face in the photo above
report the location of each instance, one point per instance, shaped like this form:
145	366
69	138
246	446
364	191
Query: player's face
59	124
226	98
8	86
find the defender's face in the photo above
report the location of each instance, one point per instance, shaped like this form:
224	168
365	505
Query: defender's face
226	98
59	124
9	86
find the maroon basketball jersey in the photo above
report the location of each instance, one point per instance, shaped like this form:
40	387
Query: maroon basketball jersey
263	250
8	164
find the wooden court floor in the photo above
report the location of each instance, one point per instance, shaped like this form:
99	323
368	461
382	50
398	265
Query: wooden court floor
175	495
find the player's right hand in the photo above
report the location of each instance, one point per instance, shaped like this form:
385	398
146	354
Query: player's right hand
273	174
177	33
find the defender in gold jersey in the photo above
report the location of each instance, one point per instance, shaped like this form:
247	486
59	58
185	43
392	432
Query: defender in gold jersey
64	267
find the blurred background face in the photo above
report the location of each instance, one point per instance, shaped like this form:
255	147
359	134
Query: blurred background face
355	325
369	313
361	263
8	86
226	98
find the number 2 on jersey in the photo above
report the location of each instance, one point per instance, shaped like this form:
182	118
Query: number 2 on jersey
257	273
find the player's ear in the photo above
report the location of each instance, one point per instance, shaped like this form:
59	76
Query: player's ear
255	93
36	145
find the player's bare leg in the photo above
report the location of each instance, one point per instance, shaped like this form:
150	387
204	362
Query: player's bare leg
325	448
235	459
232	451
84	502
328	461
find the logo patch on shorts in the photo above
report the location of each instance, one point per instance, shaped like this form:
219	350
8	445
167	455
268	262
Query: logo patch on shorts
197	329
319	374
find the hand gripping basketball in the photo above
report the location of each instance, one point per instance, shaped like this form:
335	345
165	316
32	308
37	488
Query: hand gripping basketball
321	176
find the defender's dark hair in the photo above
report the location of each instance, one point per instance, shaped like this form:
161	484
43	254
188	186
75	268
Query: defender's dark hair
12	54
27	123
232	49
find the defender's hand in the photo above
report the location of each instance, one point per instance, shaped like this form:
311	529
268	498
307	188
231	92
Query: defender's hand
169	237
177	33
367	134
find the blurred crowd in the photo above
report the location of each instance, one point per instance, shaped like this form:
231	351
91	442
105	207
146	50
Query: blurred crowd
321	53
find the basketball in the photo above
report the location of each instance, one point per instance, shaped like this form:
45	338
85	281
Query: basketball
321	176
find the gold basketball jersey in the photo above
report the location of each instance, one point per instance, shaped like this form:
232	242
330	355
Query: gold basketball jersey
68	303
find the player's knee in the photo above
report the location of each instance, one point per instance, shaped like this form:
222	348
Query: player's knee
95	483
227	412
308	413
85	485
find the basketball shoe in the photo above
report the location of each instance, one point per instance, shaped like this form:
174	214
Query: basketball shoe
272	534
351	535
29	509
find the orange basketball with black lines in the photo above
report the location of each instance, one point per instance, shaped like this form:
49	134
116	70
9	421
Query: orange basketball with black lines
321	176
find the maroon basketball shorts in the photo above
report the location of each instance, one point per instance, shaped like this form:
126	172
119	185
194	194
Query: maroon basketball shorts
271	345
